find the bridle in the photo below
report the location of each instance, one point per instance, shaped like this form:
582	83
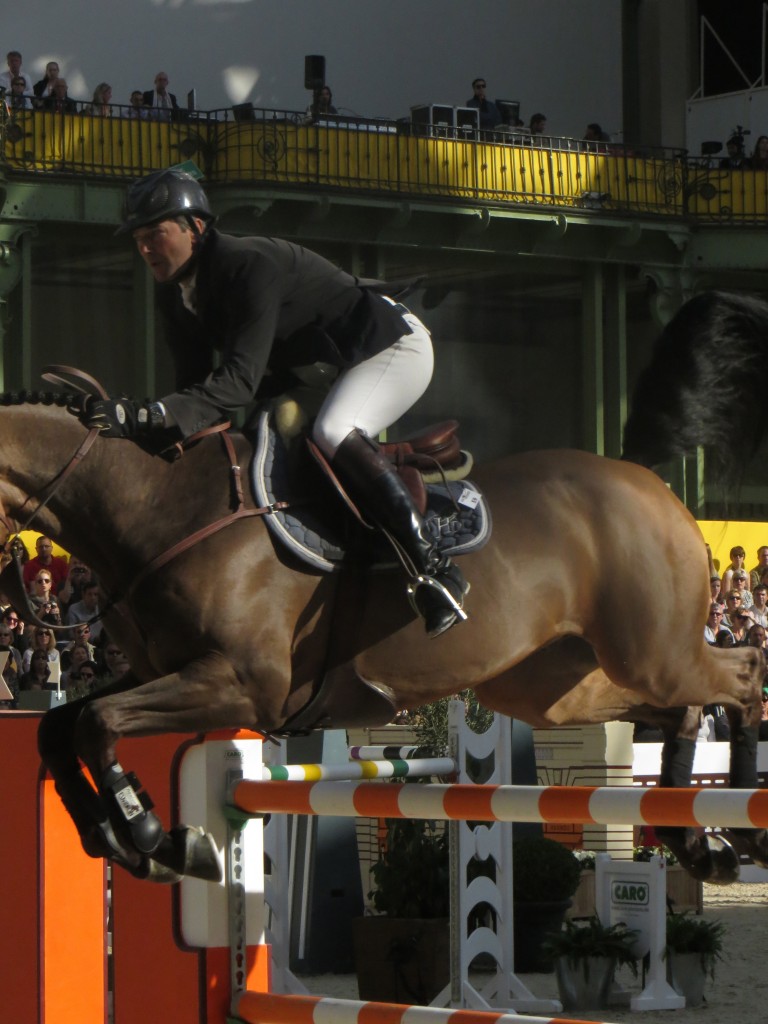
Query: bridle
77	378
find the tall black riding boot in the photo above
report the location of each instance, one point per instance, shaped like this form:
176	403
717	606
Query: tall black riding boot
438	588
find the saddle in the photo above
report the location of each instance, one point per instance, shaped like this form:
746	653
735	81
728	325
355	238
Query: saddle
306	518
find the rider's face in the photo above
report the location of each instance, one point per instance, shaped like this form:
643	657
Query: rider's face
165	247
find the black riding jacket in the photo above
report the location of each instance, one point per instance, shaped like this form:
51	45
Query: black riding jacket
265	304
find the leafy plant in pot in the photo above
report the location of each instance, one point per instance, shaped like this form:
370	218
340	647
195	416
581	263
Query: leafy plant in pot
694	946
402	951
586	955
545	876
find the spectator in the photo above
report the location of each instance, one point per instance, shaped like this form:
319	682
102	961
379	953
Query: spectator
596	138
41	598
759	159
78	656
86	608
84	681
322	104
741	583
12	670
733	602
724	638
57	566
101	104
38	674
14	623
735	158
715	587
136	109
762	564
71	591
163	103
538	124
17	99
760	604
488	113
763	732
13	57
81	635
756	636
742	622
114	661
42	640
737	554
44	88
59	101
714	622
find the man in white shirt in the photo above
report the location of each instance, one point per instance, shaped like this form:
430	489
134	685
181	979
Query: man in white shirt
163	102
13	58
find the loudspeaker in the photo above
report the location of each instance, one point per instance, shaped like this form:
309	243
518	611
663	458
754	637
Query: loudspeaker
314	72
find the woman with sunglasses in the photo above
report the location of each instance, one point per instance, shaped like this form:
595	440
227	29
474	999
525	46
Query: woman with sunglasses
82	681
44	640
78	656
39	672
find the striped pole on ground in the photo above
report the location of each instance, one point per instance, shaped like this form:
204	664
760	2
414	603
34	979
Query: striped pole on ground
621	805
268	1008
390	769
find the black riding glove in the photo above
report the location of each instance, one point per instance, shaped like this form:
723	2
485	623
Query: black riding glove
113	417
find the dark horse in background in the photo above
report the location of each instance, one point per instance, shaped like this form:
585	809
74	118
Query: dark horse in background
564	622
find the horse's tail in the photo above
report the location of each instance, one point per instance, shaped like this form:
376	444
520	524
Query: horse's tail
706	384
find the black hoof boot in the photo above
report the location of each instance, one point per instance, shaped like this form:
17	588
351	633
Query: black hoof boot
133	809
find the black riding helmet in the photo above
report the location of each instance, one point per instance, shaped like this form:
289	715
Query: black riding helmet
163	194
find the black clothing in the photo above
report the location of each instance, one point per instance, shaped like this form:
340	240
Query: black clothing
265	304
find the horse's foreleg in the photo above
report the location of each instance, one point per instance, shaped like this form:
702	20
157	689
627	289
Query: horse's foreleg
203	696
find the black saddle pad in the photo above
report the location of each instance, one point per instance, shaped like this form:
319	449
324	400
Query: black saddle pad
457	514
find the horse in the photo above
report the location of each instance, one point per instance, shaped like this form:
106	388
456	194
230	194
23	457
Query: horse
226	630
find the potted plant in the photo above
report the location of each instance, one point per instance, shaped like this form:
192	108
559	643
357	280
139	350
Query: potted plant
545	876
586	955
402	952
693	947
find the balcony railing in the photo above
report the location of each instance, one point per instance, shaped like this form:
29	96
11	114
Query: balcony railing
288	149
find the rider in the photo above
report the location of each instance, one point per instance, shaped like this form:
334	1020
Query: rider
267	305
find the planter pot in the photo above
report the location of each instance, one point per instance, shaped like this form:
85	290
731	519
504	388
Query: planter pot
584	984
534	922
401	960
687	976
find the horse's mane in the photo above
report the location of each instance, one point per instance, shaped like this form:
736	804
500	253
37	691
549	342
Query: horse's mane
25	397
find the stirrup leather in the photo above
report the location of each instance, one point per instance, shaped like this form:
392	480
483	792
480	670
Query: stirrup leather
429	581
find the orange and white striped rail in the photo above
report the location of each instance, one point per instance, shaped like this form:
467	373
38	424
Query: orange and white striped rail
604	805
268	1008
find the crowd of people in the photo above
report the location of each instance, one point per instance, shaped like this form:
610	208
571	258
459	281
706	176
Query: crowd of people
737	158
69	649
52	93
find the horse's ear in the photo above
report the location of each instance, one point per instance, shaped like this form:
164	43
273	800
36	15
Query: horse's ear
70	377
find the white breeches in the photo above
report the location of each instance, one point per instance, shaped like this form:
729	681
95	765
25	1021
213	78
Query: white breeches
369	397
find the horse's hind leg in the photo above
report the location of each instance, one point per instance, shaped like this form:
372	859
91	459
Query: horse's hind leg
745	727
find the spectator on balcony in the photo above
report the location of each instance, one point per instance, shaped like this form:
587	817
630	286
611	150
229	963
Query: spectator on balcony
17	98
538	124
759	159
101	104
322	104
136	109
488	113
59	100
13	58
596	139
163	103
44	87
735	158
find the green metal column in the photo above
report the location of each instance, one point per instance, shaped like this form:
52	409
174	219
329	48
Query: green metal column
615	353
145	340
593	411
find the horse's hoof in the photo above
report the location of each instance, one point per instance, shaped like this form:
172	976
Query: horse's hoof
192	852
725	861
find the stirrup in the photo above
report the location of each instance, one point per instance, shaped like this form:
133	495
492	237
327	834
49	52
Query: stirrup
429	581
